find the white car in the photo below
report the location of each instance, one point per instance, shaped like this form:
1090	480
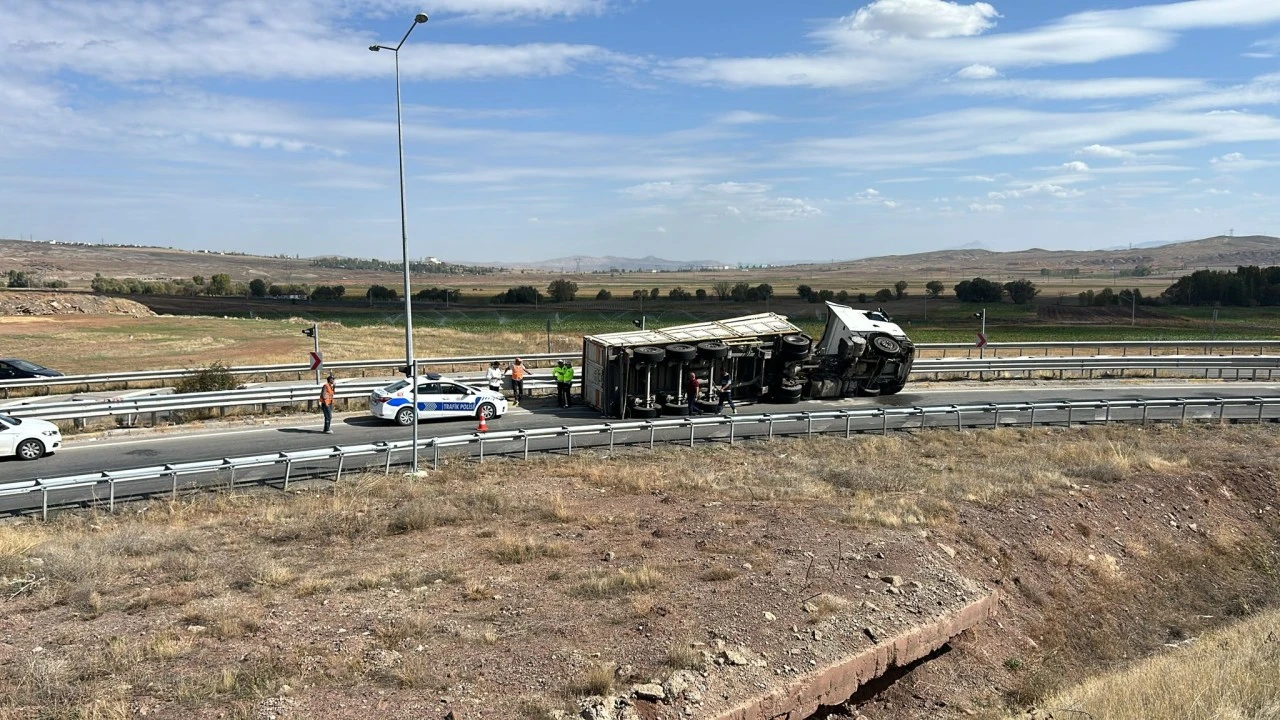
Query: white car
438	397
28	439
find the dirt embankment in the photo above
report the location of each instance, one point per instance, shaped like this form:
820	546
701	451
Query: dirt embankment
27	304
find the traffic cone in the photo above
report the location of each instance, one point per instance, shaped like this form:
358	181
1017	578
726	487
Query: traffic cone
484	426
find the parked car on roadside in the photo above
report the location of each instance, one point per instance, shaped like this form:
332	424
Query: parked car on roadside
438	397
18	369
28	439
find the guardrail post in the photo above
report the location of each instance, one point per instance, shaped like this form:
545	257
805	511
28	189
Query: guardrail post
1184	411
692	430
995	422
769	419
808	424
341	459
611	431
481	446
848	424
1261	403
44	504
1106	419
733	426
1144	413
288	470
1222	410
958	416
1069	409
387	469
525	435
174	490
884	421
653	431
568	434
111	495
1033	415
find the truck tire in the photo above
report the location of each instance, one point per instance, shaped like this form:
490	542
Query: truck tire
886	345
681	352
648	355
788	394
644	413
714	350
673	410
795	346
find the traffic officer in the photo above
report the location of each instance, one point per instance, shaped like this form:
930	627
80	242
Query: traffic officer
326	403
563	373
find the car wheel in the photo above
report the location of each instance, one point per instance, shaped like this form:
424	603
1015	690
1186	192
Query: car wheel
648	355
795	346
488	411
714	350
681	352
405	416
30	449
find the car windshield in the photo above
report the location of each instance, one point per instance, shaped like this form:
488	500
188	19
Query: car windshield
27	366
10	420
395	387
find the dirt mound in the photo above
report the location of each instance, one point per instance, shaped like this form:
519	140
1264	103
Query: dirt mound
27	303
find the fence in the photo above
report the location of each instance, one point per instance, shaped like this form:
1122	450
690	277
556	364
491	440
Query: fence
98	487
1238	367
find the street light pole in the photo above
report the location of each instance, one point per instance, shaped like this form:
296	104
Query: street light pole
410	365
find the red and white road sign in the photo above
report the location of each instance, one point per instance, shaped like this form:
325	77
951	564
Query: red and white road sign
982	340
316	359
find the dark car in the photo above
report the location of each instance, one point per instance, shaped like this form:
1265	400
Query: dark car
15	369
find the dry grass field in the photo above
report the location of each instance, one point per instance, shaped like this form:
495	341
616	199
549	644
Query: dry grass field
517	590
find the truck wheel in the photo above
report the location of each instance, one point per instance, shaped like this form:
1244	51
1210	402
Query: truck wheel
715	350
644	413
649	355
681	352
405	417
788	394
675	410
708	407
886	345
795	346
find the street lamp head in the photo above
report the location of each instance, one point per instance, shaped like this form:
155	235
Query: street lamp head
420	18
374	48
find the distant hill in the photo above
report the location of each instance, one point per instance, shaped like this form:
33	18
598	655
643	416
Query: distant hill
585	263
1214	252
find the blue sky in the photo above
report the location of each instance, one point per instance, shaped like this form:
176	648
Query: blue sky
740	131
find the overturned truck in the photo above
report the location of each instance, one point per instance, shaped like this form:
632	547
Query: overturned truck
644	373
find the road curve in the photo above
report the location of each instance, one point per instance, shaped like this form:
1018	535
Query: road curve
82	456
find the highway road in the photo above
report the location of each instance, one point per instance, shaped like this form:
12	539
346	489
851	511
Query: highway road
80	456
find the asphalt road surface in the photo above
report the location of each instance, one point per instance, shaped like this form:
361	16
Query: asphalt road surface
84	456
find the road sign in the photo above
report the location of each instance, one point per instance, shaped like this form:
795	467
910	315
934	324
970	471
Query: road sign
982	340
316	359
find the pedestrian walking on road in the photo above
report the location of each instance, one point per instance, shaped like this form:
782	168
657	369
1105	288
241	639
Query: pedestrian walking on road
563	374
518	372
494	376
725	390
694	386
326	403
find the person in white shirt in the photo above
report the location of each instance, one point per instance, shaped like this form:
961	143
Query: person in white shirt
494	375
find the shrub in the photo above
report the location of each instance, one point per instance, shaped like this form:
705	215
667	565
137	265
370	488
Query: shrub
212	378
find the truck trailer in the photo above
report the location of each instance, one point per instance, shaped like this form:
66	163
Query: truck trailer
643	373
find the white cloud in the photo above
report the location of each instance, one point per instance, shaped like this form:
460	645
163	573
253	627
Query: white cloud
1234	161
921	19
745	117
986	208
891	42
1216	191
977	71
1033	190
977	178
1092	89
661	230
1075	166
293	39
1105	151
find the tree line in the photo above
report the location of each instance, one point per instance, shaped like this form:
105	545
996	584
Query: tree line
415	267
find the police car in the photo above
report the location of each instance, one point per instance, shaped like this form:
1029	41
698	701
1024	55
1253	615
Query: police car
438	397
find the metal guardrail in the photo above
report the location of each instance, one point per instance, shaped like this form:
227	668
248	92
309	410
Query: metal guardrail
992	349
1239	367
100	486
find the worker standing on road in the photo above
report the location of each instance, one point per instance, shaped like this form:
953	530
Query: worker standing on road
725	390
494	376
326	403
563	374
518	371
694	386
